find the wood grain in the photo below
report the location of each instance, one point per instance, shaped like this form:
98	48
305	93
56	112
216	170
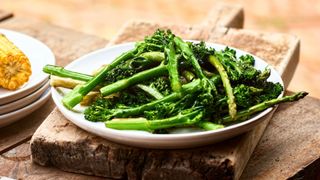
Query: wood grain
22	130
16	164
5	15
67	45
59	143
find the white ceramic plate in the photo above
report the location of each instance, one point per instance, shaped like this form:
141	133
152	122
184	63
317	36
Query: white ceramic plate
15	105
13	116
184	139
39	55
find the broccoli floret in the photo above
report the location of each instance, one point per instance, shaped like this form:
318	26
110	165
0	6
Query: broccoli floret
247	60
270	91
242	70
157	41
246	96
122	71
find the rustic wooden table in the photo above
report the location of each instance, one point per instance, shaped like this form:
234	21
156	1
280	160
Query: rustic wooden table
287	149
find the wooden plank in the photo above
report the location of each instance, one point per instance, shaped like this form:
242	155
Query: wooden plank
59	143
14	164
67	45
221	15
290	146
5	15
21	131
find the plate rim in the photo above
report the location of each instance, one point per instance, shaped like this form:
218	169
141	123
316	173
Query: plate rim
34	96
20	93
29	109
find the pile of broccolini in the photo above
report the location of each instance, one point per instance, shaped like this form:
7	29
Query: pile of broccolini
165	82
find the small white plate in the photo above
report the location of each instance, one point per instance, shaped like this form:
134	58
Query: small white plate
15	105
185	139
39	55
13	116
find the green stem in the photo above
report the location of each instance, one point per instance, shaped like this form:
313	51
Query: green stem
208	126
226	83
136	78
147	59
188	75
150	125
62	72
173	67
244	114
76	95
153	56
186	89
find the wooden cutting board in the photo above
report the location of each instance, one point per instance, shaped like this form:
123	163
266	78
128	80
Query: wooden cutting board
59	143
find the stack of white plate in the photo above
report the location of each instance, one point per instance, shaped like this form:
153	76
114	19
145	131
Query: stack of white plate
17	104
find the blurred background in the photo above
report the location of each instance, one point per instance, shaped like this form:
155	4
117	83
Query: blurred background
105	17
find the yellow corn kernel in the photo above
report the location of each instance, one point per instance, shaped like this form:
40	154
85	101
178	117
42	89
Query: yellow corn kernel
15	68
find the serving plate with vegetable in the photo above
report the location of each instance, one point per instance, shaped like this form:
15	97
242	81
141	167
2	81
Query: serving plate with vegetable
164	92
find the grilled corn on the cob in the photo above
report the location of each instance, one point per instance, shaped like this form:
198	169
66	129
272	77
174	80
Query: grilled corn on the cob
15	67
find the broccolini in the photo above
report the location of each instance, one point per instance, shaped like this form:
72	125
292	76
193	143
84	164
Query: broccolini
165	82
